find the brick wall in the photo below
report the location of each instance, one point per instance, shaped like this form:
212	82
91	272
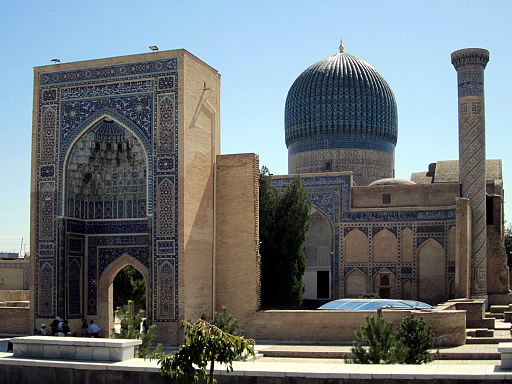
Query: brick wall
237	258
15	320
449	327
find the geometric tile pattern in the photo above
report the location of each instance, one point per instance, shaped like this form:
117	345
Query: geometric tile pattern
331	195
119	211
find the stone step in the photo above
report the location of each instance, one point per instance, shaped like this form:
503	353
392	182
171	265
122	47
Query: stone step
487	340
498	308
479	332
495	315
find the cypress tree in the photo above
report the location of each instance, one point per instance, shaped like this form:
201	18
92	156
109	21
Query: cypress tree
284	220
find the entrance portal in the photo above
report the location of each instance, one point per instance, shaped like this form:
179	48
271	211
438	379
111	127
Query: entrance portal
106	291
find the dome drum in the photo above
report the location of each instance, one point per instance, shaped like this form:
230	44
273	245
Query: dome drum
341	103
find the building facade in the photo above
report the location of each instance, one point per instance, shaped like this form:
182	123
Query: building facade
369	231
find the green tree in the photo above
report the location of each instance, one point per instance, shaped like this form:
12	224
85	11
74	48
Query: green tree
129	284
284	220
508	243
417	337
376	343
204	343
131	328
227	322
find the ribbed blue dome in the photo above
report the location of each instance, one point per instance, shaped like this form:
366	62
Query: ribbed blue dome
340	102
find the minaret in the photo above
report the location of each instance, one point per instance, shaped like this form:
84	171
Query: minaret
470	64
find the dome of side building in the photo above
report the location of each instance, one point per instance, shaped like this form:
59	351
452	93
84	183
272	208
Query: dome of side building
341	115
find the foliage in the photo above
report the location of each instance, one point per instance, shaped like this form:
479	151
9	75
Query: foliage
382	346
131	328
129	284
204	343
369	295
417	337
284	220
376	342
227	322
508	243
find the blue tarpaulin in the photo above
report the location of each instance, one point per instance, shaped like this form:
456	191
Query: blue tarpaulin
374	304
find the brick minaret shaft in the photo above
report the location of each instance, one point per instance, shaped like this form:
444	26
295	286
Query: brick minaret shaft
470	64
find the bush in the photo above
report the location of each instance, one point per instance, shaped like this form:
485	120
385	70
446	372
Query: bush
376	342
130	329
417	337
227	322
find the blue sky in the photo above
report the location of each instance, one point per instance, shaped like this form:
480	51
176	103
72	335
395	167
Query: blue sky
260	48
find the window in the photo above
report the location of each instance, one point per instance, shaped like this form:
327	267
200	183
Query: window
328	165
386	198
384	280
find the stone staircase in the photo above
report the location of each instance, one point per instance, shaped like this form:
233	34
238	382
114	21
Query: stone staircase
501	330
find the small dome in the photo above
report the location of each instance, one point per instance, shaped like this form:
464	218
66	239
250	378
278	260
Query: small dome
340	102
392	181
108	131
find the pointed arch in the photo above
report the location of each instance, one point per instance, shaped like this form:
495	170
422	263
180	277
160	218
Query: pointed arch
356	247
384	284
431	272
84	128
356	283
105	290
385	247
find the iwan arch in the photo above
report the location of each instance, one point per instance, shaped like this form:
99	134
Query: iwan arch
127	171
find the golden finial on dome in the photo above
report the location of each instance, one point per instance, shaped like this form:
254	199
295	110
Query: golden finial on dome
342	48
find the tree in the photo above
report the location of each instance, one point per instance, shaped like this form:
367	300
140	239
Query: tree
508	243
417	337
227	322
131	328
284	220
204	343
382	346
129	284
376	342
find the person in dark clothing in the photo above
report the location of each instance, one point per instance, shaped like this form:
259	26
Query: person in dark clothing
65	328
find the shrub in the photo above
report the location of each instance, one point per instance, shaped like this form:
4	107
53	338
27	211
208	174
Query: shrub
417	337
376	342
227	322
130	328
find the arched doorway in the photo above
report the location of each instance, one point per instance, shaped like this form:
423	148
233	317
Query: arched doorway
129	285
318	251
106	291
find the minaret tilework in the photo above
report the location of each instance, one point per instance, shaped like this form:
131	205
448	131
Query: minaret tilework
470	64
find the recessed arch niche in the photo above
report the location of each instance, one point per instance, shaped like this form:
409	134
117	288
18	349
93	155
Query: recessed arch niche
431	266
106	174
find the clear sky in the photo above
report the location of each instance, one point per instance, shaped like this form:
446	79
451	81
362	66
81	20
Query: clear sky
260	47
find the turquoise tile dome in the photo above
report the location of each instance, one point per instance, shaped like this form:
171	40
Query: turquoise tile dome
340	102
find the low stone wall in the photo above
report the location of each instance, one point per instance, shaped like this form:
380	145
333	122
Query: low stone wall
14	295
449	327
15	320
